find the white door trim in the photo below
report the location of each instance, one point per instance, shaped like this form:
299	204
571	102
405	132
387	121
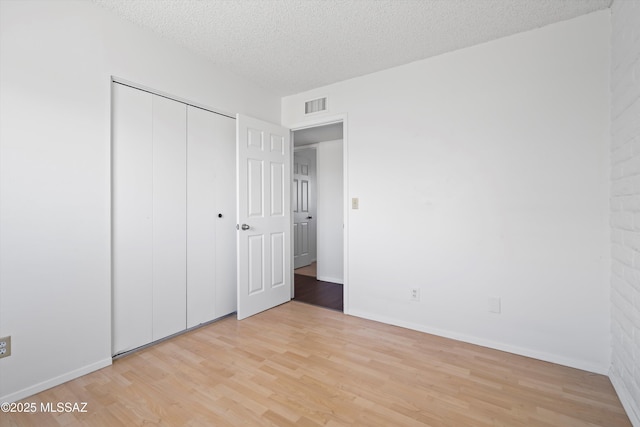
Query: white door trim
321	121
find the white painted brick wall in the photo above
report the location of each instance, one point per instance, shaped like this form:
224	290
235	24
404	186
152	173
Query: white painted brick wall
625	204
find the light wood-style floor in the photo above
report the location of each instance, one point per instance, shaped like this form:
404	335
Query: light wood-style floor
308	366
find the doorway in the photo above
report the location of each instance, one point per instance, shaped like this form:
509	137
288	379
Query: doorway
318	211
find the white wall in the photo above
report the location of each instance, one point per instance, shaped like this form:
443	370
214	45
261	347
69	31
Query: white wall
57	58
330	211
480	173
625	204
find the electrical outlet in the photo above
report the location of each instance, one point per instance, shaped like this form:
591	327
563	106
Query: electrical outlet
415	294
5	347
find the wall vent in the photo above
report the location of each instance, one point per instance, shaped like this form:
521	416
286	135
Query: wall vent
315	105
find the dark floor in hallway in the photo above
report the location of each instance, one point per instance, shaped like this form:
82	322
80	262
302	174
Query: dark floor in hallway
312	291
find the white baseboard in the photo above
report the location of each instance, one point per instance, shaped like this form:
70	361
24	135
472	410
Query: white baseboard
626	400
547	357
330	279
37	388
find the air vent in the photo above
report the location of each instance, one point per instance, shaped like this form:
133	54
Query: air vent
315	105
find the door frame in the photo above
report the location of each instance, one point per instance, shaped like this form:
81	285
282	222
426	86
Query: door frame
321	121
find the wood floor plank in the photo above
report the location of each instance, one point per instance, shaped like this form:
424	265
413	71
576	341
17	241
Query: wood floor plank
308	366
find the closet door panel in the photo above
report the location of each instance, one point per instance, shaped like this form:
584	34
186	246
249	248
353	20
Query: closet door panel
226	253
132	218
169	217
201	216
211	282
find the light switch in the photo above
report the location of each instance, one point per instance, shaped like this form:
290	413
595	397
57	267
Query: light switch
355	203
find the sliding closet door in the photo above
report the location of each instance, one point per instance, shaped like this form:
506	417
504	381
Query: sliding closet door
132	218
169	217
210	216
201	221
226	242
174	211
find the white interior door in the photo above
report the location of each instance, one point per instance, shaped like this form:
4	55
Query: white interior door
303	241
264	215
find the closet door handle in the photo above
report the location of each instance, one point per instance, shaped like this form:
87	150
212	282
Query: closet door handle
245	227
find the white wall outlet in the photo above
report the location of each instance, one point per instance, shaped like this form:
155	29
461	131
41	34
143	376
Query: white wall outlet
415	294
355	203
494	305
5	347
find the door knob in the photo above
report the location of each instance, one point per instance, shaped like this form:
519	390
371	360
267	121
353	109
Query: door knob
245	227
309	217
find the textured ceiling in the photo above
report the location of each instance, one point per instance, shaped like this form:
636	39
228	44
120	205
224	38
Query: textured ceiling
290	46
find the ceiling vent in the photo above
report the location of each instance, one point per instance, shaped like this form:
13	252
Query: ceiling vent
315	105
